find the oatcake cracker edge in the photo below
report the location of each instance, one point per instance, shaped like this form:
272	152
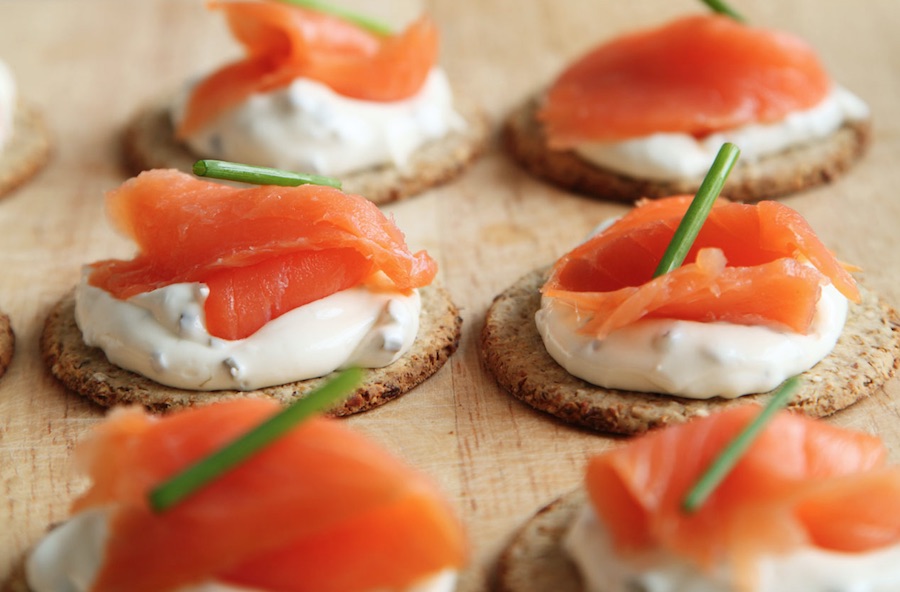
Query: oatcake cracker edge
27	151
533	560
7	343
86	371
148	142
787	172
865	357
16	581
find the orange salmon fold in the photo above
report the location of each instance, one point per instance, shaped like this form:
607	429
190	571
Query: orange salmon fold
321	509
696	75
284	42
803	482
748	266
262	250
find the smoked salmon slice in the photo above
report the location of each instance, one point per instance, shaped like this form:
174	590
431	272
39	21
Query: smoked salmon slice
758	264
261	250
284	42
696	75
321	509
802	483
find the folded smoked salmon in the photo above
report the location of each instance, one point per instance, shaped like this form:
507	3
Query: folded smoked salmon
284	42
750	264
321	509
696	75
262	250
643	115
757	299
809	506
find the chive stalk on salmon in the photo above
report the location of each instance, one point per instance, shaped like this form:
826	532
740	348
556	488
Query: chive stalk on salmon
321	509
803	483
757	264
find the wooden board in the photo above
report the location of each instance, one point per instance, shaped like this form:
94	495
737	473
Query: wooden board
89	64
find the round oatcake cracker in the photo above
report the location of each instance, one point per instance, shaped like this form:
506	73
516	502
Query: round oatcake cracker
865	357
790	171
149	143
533	559
28	149
86	370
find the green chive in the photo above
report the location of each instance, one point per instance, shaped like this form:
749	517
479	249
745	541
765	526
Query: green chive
362	21
245	173
729	457
234	453
723	8
699	209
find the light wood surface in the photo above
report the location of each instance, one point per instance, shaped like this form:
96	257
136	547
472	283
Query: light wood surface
89	64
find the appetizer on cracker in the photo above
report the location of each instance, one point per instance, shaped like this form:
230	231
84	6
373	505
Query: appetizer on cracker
193	501
805	506
24	140
320	93
249	292
620	337
643	115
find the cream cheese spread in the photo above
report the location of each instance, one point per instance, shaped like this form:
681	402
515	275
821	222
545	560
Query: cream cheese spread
69	557
308	127
7	104
162	335
808	569
677	156
688	358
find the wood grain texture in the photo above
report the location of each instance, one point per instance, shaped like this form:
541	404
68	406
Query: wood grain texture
90	64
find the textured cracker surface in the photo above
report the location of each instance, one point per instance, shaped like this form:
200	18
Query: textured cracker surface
86	371
7	343
16	581
27	151
787	172
149	143
533	559
865	357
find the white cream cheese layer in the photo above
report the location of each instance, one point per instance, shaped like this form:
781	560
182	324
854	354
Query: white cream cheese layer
7	104
807	569
308	127
69	557
688	358
676	156
162	335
